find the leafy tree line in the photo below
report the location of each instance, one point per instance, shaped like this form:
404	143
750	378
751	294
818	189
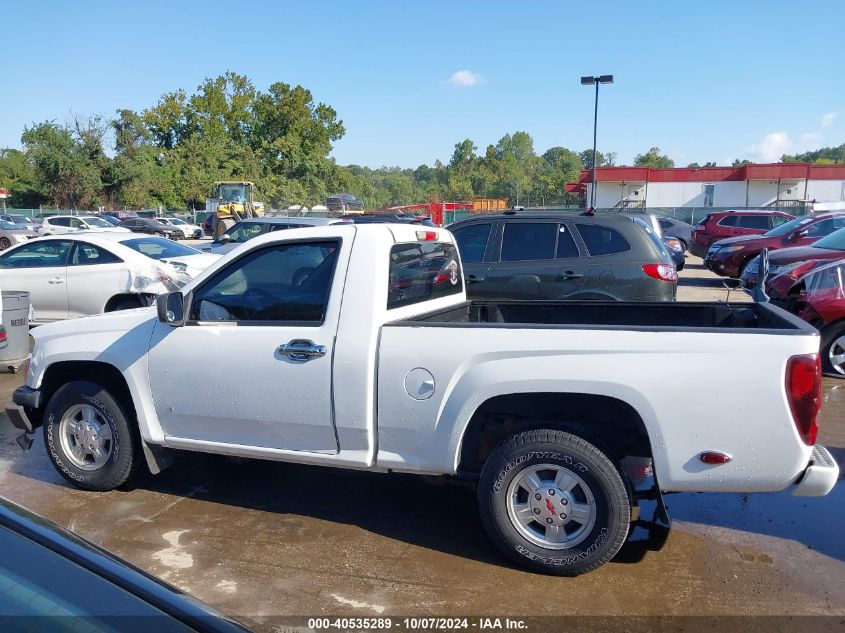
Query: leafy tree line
171	154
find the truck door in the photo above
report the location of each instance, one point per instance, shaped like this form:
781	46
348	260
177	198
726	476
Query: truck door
539	260
252	366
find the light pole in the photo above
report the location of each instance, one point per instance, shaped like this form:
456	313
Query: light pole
587	81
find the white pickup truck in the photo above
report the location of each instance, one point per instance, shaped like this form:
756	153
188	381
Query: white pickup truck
354	346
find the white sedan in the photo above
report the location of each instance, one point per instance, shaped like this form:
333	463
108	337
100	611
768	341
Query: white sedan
190	231
89	273
64	224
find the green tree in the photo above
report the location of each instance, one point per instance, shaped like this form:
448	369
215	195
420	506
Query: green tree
653	158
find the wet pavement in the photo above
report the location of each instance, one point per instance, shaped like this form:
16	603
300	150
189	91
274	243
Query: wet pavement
263	539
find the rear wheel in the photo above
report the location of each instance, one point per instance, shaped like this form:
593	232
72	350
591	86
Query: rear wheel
89	438
833	349
554	503
4	243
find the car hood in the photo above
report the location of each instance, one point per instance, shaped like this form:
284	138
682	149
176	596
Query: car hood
219	249
120	321
195	264
803	253
747	240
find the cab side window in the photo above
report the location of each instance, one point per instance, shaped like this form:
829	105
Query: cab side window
281	283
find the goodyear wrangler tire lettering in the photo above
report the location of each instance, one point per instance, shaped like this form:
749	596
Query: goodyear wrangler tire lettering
123	457
553	502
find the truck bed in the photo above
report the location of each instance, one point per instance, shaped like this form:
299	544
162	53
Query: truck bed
680	316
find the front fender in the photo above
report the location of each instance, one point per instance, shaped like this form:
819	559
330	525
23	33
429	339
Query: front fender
119	339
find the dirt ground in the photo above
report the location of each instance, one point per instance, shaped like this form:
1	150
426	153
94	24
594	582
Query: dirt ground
260	540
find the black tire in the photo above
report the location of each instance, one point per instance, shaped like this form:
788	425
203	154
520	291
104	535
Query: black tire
4	243
569	453
158	234
832	341
125	454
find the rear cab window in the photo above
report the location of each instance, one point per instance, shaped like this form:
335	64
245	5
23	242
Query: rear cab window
420	271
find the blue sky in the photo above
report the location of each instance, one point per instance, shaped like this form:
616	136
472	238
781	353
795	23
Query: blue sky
702	80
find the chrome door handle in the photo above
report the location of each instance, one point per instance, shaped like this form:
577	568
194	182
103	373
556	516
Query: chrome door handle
569	275
56	280
302	350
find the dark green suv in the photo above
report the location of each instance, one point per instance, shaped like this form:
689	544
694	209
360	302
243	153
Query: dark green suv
547	255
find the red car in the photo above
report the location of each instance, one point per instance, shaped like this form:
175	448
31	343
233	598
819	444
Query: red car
723	224
827	249
729	257
815	291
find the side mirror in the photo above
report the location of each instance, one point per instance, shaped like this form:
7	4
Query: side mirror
799	234
171	308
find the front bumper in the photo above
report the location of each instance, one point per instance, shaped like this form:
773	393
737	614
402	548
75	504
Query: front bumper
820	476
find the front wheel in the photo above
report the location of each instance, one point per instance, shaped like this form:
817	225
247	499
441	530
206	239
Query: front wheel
4	243
89	438
833	349
554	503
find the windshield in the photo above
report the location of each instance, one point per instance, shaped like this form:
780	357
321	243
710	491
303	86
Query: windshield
835	241
233	193
159	247
176	221
98	222
786	229
244	231
21	219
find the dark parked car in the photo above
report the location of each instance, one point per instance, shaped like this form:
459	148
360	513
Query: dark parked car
53	580
558	255
344	202
720	225
729	257
827	249
111	219
670	227
153	227
677	250
253	227
817	295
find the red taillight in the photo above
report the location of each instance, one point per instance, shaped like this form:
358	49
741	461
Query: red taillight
804	392
663	272
426	236
2	334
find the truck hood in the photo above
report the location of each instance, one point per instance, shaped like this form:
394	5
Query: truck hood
121	321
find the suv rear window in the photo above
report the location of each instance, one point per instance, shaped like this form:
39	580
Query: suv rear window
603	240
420	271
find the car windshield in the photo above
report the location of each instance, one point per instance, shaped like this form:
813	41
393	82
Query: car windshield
835	241
98	222
159	248
244	231
786	229
176	221
21	219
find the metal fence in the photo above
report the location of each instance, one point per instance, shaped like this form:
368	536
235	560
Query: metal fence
690	215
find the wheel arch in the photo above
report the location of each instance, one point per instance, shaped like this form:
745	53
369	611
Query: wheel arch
609	422
110	377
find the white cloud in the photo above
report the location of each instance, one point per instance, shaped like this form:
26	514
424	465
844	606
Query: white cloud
465	79
771	147
828	119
